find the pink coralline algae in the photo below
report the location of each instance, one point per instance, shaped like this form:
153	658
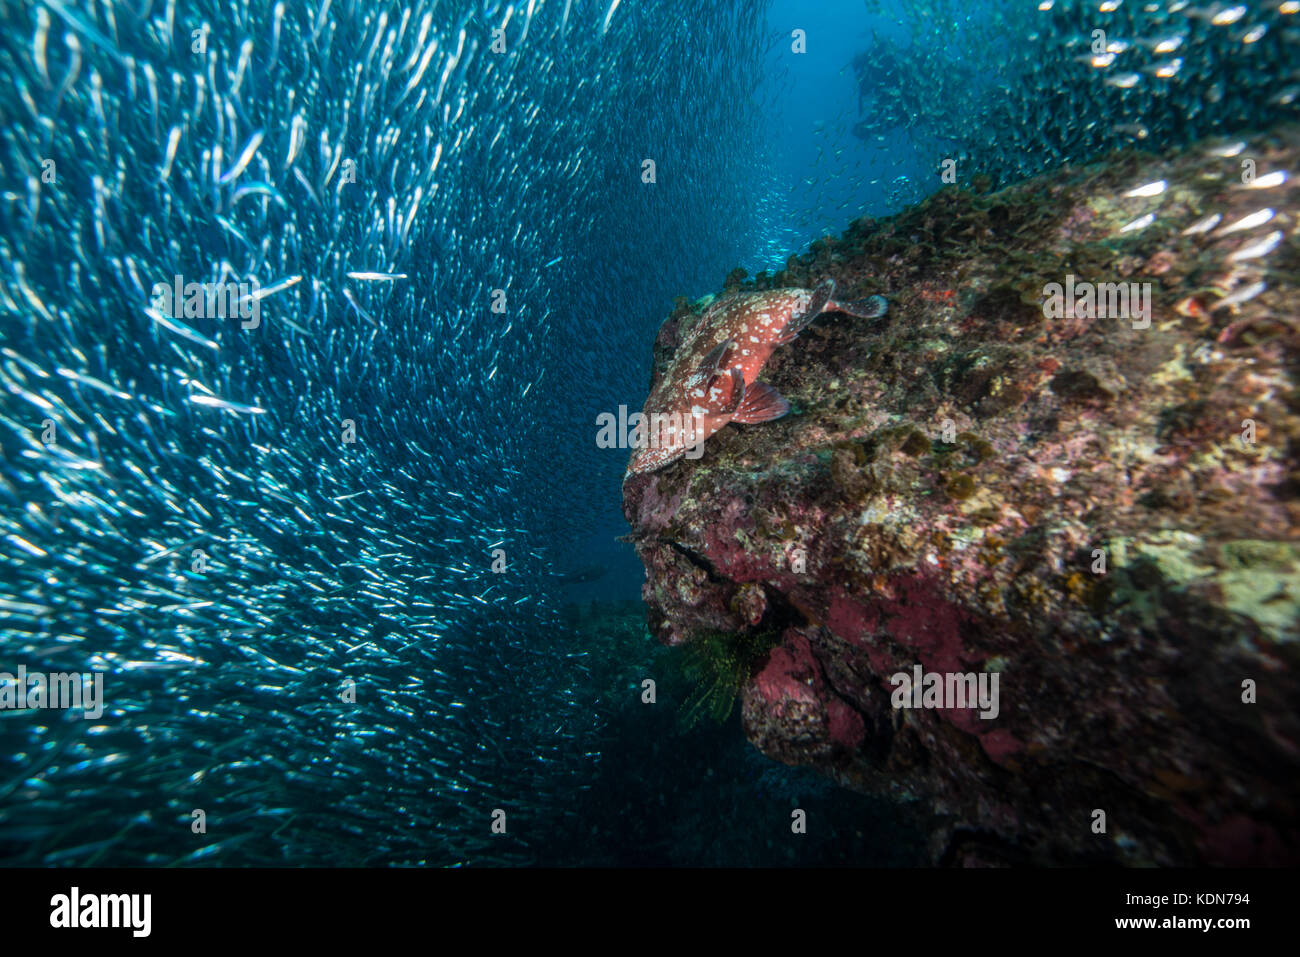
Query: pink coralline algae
1094	514
791	713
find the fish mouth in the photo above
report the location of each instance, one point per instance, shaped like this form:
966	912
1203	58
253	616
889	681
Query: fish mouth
637	465
644	462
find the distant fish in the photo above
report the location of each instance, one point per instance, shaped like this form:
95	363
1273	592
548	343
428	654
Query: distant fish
1258	249
1166	69
1269	180
713	377
1133	129
245	158
590	573
212	402
1139	224
1245	294
1203	225
1164	44
1124	81
1220	15
1257	218
368	276
1149	189
1227	150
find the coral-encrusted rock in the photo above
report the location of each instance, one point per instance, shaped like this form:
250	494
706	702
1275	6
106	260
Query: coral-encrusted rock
792	714
1102	512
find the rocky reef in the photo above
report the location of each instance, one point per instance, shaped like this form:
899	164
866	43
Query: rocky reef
1101	509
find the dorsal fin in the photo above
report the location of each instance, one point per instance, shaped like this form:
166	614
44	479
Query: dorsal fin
713	308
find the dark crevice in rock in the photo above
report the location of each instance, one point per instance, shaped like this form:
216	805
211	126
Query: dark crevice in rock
696	559
780	614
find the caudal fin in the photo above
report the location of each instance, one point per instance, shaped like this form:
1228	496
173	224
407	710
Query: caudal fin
869	308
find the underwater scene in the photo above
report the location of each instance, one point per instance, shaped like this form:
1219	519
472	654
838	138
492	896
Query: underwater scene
657	433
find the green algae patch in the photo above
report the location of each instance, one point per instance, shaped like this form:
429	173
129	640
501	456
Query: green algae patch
1261	580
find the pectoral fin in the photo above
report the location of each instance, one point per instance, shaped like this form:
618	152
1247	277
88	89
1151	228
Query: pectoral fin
713	359
738	392
713	364
762	404
699	426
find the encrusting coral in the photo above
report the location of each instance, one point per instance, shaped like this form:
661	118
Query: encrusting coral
1005	477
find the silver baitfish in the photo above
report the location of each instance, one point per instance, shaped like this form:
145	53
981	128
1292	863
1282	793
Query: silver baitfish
270	509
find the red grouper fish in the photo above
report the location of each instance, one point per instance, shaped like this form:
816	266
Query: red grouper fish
713	377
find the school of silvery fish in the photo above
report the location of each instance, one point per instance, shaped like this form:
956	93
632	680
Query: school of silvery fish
1047	82
184	507
455	262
